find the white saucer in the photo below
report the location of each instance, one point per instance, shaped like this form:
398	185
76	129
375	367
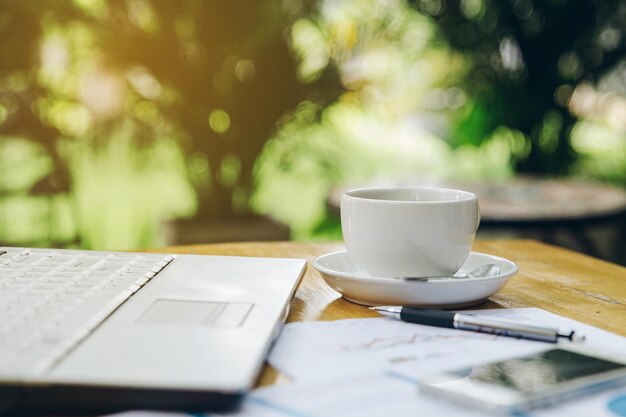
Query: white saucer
339	272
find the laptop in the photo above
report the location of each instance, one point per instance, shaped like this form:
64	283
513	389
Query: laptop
84	332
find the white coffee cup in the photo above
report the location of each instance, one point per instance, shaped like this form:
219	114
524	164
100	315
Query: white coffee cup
408	231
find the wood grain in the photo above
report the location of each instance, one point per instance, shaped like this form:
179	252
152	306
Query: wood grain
557	280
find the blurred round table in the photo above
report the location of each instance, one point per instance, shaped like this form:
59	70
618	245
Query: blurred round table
535	204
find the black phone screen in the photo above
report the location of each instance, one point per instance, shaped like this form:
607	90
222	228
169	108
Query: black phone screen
537	372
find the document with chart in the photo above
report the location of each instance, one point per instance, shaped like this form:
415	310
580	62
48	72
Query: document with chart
318	350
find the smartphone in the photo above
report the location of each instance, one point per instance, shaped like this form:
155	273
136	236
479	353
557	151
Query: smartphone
536	380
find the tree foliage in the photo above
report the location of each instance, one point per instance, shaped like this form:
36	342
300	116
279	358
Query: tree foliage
525	58
214	75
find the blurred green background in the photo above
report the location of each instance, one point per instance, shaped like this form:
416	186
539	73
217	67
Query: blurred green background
128	124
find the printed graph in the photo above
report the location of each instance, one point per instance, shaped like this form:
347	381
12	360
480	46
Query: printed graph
390	342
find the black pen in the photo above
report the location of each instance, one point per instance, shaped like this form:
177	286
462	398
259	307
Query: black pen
482	324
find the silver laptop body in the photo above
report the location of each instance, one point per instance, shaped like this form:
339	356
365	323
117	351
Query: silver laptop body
178	332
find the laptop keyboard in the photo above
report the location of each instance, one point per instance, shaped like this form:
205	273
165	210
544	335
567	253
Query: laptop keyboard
50	300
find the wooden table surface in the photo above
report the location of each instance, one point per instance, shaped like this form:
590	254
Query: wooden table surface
551	278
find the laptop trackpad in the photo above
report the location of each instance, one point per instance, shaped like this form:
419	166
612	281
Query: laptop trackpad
189	312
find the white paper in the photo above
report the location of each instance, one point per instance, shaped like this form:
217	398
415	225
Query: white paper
308	351
386	394
372	395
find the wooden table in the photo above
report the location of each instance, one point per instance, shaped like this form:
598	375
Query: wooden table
551	278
